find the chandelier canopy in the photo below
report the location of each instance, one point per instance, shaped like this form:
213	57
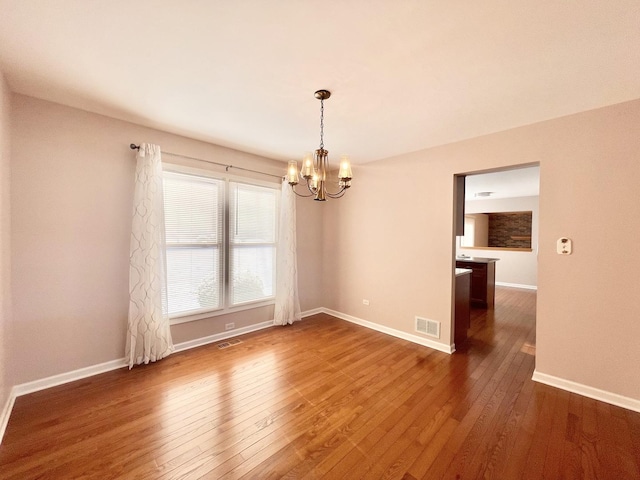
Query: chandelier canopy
315	166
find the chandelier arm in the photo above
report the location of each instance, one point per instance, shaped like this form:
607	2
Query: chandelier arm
299	194
311	190
338	194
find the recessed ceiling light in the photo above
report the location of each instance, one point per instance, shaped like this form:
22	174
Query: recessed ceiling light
484	194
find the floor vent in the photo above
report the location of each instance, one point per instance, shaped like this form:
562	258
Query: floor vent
428	327
229	343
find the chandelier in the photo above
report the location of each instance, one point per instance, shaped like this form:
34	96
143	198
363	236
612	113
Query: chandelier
315	166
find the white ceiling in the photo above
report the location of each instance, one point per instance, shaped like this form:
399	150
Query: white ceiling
405	74
516	182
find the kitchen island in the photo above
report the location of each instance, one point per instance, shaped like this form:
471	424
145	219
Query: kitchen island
483	279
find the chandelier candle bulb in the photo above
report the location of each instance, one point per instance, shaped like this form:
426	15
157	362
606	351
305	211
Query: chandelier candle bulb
307	165
345	168
292	173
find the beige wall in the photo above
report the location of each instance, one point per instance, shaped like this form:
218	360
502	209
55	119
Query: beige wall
588	328
309	238
519	268
71	211
5	237
391	240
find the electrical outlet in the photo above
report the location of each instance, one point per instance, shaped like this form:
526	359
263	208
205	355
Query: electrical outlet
229	326
365	301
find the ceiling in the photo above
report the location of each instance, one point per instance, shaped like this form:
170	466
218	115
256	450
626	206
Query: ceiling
404	74
515	182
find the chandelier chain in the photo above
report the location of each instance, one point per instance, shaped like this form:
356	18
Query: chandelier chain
321	123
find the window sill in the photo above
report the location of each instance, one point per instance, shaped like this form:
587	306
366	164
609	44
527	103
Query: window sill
216	313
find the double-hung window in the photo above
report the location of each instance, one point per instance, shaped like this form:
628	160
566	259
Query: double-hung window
221	243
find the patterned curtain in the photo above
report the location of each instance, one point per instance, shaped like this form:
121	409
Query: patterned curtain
287	308
148	333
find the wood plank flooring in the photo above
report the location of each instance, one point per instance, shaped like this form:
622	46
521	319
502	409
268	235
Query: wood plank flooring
328	399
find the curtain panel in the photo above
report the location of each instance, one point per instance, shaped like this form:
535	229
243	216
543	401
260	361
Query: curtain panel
148	333
287	308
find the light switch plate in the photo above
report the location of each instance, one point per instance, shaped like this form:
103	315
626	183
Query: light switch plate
564	246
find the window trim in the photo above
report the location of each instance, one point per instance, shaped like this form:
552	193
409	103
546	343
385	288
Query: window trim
226	308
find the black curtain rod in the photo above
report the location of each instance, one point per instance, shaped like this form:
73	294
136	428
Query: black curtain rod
133	146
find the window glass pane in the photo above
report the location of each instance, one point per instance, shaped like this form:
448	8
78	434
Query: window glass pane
253	213
193	208
252	226
193	278
193	212
253	273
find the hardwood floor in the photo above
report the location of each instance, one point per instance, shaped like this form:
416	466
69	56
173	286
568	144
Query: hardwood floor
328	399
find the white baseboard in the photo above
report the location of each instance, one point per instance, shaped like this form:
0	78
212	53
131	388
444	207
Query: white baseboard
55	380
6	413
235	332
313	311
587	391
425	342
198	342
517	285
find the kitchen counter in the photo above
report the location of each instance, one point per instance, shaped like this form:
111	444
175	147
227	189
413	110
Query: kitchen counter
477	259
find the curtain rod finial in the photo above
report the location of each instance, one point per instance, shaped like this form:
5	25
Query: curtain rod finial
133	146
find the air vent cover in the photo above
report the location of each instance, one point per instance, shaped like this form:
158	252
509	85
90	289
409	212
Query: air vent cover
230	343
428	327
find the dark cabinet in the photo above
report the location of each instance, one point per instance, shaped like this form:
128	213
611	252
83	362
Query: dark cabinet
459	208
483	281
462	305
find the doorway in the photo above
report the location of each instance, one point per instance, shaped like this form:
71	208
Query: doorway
495	240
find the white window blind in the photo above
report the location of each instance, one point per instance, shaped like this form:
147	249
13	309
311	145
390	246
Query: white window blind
194	234
252	242
221	245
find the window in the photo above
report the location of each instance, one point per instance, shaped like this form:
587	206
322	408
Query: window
469	231
221	243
